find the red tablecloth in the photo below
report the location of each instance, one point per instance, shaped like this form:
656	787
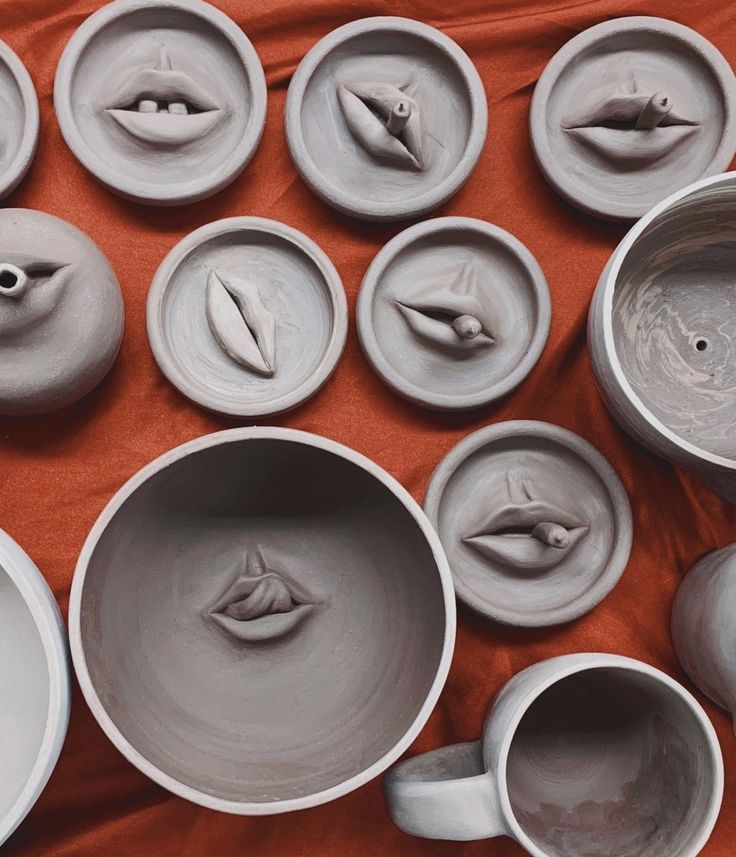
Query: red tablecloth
57	472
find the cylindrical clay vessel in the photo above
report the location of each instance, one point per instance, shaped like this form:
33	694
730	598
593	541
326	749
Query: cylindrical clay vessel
662	331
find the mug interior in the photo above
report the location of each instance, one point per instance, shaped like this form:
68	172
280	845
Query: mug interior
609	762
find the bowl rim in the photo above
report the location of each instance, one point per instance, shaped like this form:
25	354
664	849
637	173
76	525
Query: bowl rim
13	174
608	282
180	192
622	516
425	202
238	435
39	599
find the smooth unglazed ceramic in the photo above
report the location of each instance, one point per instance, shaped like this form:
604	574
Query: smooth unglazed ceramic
261	620
247	317
662	328
34	683
535	522
164	101
61	313
386	118
704	626
453	313
629	111
20	120
585	755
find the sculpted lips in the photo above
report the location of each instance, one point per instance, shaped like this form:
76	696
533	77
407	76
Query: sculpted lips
634	127
29	290
163	106
261	603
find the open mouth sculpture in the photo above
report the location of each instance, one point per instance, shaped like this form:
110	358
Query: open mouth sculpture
385	120
241	323
453	316
630	128
164	107
261	603
17	279
526	534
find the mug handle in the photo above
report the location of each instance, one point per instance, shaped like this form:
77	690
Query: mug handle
445	794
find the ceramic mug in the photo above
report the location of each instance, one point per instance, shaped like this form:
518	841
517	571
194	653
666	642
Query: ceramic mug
585	755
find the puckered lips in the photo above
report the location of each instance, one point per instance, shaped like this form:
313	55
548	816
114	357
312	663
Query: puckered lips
633	128
262	603
531	536
20	276
163	106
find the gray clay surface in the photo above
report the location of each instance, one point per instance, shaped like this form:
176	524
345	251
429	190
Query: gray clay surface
453	313
244	614
535	523
19	120
247	316
629	111
61	313
385	118
165	102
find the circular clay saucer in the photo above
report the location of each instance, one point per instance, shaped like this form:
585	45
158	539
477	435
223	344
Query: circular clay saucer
163	100
61	313
535	522
386	118
629	111
19	127
247	317
453	313
34	677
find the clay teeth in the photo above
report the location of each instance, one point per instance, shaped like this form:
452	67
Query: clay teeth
147	106
178	107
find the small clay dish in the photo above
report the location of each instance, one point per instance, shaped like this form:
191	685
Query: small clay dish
535	522
34	676
61	313
453	313
386	118
629	111
19	128
662	331
244	613
164	101
247	317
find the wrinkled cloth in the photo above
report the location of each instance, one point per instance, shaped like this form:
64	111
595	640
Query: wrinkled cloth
57	472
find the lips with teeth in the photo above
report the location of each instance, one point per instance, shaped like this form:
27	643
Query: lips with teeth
526	534
632	128
385	120
261	603
452	315
241	323
162	106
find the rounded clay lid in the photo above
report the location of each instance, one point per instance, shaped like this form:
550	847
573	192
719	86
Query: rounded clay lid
630	110
20	122
535	522
453	313
386	118
247	317
61	313
163	100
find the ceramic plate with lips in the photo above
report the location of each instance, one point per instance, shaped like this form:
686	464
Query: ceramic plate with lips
262	620
163	100
61	313
20	121
629	111
535	522
453	313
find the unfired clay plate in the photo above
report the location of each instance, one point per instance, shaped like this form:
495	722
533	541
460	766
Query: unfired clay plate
629	111
247	317
535	522
386	118
163	100
19	120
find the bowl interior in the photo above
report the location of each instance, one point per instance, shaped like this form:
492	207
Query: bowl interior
674	317
610	761
13	111
262	620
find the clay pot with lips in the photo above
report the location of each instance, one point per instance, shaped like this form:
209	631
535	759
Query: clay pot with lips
61	313
19	120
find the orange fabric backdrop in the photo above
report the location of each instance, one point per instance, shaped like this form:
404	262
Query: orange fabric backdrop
57	472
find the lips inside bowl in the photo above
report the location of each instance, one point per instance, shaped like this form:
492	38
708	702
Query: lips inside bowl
261	621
